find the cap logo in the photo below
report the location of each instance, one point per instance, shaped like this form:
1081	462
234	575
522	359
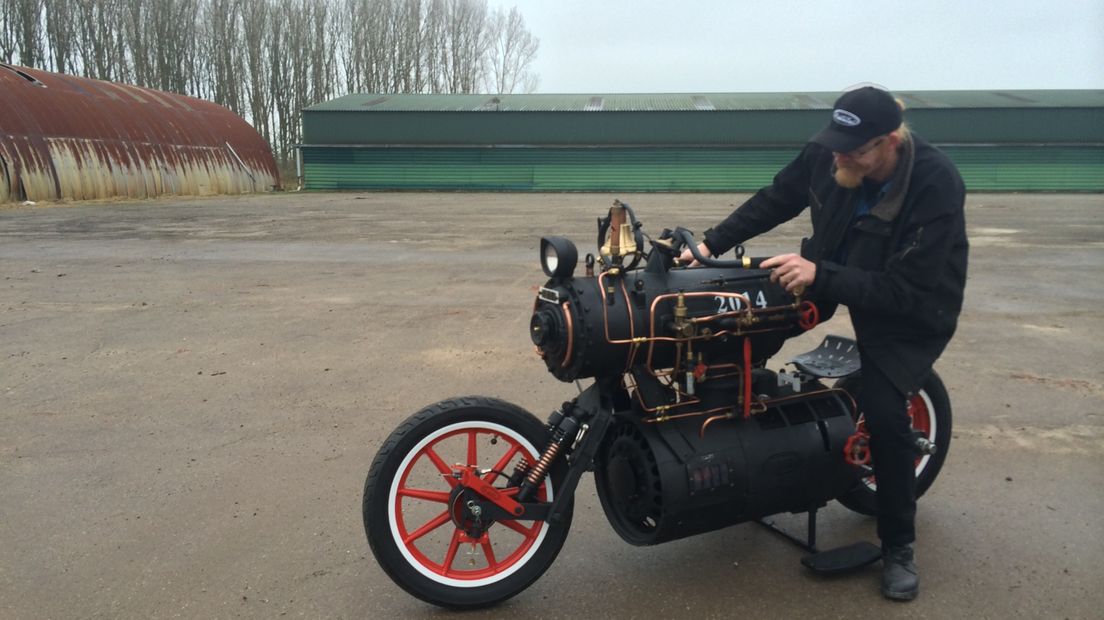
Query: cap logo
843	117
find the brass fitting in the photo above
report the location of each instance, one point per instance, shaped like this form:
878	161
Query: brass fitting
621	242
683	327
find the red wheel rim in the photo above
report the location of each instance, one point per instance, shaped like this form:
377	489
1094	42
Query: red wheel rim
920	412
421	518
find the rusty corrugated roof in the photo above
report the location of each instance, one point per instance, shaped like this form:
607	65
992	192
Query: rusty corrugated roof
66	137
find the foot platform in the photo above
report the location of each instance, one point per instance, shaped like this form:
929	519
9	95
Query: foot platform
843	559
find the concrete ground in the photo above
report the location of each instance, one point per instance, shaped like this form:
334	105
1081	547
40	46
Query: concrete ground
191	392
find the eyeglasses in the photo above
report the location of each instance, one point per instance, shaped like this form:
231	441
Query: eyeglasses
860	152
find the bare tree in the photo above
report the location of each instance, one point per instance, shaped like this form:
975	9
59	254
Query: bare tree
294	62
99	37
466	44
173	24
407	29
222	51
26	16
363	42
279	84
268	59
512	51
60	34
433	41
256	22
136	17
8	29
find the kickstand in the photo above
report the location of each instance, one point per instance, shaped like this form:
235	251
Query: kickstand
809	544
834	561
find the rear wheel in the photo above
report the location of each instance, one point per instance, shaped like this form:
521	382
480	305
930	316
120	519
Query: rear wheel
930	410
415	517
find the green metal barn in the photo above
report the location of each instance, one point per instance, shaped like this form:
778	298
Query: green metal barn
1037	140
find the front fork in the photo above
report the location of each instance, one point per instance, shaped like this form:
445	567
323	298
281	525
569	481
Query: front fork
575	433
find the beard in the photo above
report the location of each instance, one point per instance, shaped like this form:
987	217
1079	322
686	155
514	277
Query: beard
848	177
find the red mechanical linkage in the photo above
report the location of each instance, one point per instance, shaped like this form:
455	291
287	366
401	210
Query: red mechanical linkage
470	478
699	371
857	449
809	315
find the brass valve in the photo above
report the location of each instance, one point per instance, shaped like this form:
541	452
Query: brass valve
682	325
620	242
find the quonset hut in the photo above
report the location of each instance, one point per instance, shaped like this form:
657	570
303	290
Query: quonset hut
66	137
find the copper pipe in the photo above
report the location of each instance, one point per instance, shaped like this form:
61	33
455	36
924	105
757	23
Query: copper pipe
634	347
605	311
748	309
658	298
768	403
659	419
727	416
652	316
651	339
570	333
691	400
774	401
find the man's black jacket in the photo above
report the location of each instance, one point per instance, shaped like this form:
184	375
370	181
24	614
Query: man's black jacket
905	270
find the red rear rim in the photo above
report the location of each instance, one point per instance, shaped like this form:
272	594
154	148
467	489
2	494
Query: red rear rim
422	519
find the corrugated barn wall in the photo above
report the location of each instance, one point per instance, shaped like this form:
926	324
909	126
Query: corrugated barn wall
711	142
66	137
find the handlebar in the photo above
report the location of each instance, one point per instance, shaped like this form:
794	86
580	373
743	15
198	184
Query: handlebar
744	262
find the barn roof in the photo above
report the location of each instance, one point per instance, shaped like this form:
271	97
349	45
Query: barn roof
63	136
705	102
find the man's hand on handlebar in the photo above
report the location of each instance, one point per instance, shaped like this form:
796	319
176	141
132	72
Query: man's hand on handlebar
792	271
687	257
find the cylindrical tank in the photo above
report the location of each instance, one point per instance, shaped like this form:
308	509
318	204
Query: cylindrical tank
584	326
660	482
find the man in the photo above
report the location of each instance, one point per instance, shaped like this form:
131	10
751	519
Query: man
889	242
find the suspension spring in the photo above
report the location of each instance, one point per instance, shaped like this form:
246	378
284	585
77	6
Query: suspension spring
564	432
540	470
519	472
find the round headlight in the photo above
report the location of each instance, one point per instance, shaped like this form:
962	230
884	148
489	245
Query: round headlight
558	257
551	259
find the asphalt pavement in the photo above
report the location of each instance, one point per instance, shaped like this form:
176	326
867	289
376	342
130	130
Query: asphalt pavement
191	391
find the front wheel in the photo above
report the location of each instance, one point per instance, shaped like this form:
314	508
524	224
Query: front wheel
930	411
415	518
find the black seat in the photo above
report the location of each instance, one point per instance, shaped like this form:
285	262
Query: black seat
835	357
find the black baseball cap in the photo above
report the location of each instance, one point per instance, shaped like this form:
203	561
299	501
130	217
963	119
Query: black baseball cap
859	116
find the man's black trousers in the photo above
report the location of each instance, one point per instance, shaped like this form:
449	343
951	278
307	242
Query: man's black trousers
893	451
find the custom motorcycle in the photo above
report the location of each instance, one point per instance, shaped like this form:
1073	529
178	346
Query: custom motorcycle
685	428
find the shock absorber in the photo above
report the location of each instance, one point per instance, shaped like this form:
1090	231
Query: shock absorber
519	472
563	433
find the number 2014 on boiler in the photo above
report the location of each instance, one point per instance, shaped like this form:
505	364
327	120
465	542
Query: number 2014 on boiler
732	304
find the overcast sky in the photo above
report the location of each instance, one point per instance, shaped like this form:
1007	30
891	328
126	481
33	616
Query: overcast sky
653	46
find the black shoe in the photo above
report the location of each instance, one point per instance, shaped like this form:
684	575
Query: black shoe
900	581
